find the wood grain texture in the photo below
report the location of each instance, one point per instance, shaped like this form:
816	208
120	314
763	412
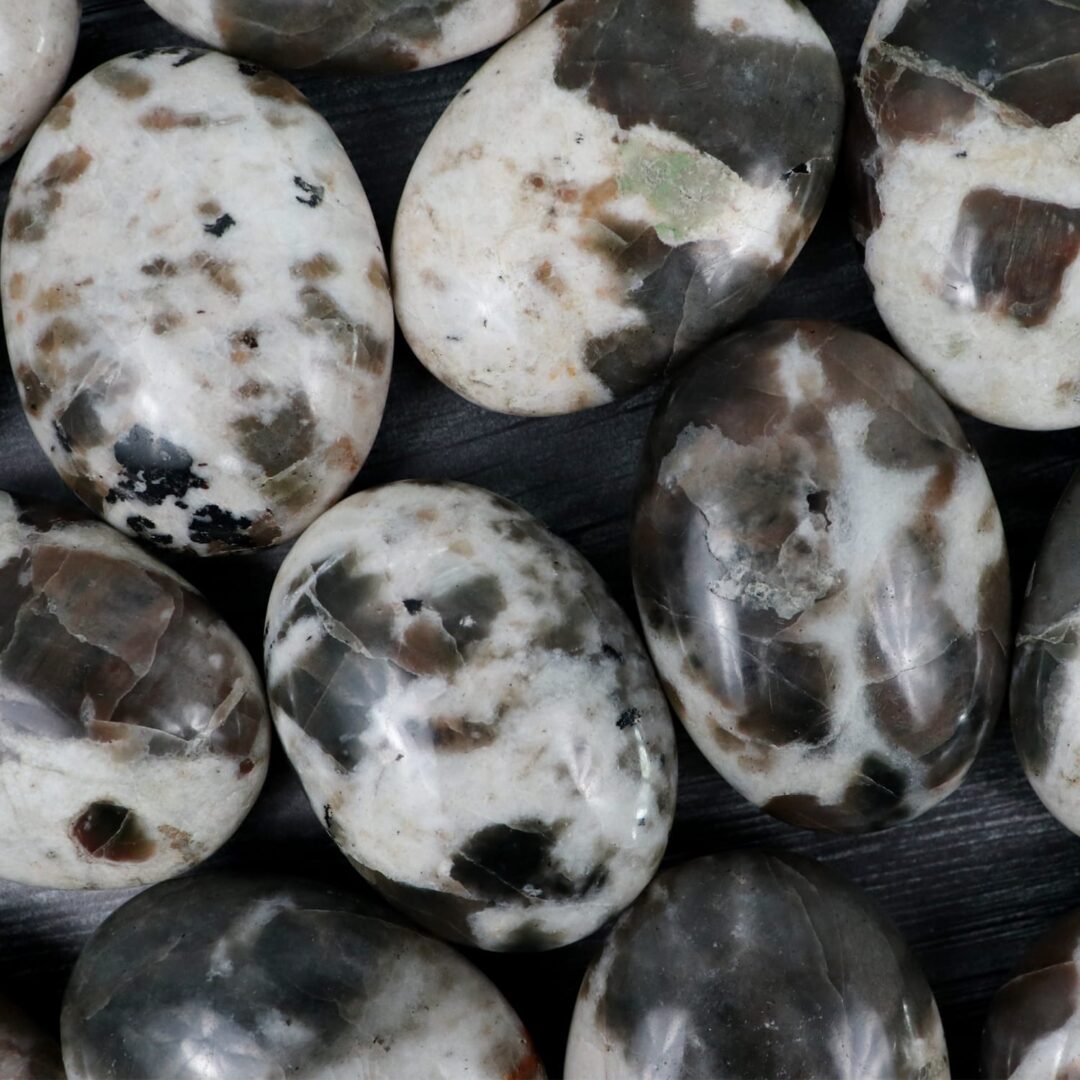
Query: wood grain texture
969	885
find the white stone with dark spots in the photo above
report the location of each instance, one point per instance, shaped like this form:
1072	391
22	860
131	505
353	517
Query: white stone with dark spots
37	44
196	302
616	185
471	714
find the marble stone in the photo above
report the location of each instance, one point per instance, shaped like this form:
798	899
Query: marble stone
752	965
221	976
37	45
134	734
964	139
1033	1027
358	37
196	302
26	1052
1045	687
618	184
472	716
821	571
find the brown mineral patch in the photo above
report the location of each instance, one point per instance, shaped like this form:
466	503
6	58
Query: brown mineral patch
210	208
17	286
166	119
277	444
940	489
432	280
65	168
252	388
59	117
456	734
113	833
178	839
738	26
463	547
123	81
343	455
28	224
263	84
596	198
164	322
242	344
35	393
377	275
218	272
427	513
61	334
160	267
547	277
317	268
537	181
357	341
55	298
567	193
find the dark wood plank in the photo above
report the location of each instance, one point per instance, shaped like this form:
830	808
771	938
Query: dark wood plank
969	885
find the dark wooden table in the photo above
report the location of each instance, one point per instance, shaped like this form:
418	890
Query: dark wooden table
969	884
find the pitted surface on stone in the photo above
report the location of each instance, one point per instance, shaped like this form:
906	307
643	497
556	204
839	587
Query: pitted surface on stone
472	716
821	571
133	730
754	965
615	186
26	1052
963	147
196	301
221	976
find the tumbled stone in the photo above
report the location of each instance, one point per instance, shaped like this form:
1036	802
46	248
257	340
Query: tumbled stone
225	976
133	729
472	716
359	37
37	45
822	575
963	148
1033	1028
752	965
26	1052
615	186
196	302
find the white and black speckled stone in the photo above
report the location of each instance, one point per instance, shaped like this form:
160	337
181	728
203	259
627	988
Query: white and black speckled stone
821	571
359	37
217	977
964	148
472	715
618	184
749	966
196	302
26	1052
37	45
134	733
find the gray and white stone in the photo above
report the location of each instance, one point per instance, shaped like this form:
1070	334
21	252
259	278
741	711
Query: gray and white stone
618	184
753	965
963	147
1045	688
219	976
357	37
1033	1027
26	1052
472	716
196	303
821	570
134	733
37	45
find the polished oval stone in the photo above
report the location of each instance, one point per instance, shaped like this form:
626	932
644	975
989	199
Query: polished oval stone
753	965
196	303
619	183
963	147
219	976
822	575
1033	1027
26	1052
37	45
359	37
1045	688
472	716
134	733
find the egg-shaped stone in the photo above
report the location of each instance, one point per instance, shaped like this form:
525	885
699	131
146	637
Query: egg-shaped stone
26	1052
752	965
37	45
1033	1026
964	139
220	976
821	570
619	183
134	733
1045	688
196	303
357	37
472	716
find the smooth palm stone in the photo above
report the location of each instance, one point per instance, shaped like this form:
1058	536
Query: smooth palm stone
196	303
219	976
134	734
964	141
472	716
753	965
37	45
26	1052
821	571
1033	1027
619	183
360	37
